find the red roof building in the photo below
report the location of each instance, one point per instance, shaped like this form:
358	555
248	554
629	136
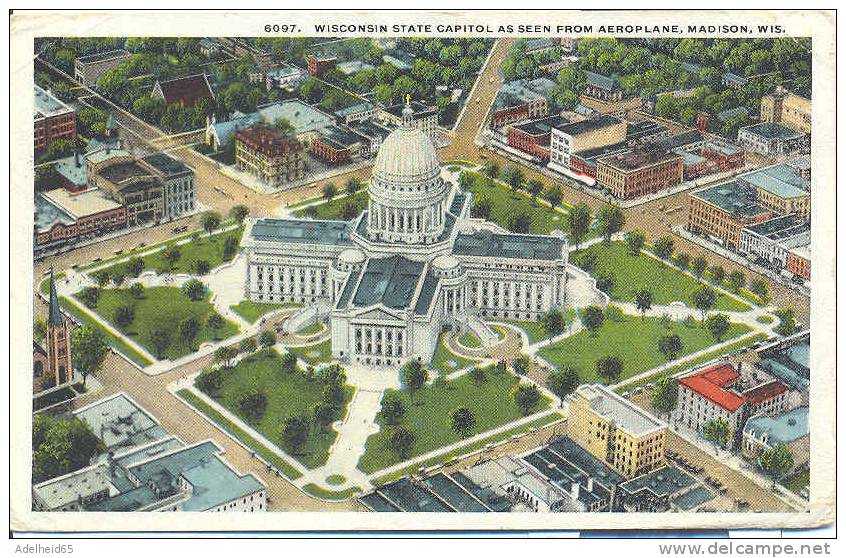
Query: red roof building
185	90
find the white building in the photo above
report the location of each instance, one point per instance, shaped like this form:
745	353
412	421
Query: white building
178	181
771	240
414	262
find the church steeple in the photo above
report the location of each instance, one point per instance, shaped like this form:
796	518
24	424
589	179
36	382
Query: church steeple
55	316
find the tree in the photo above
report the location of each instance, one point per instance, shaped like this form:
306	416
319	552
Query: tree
611	221
329	191
514	177
239	213
90	296
189	328
463	421
478	375
295	432
353	186
643	301
776	461
635	241
759	287
414	376
160	338
393	409
210	221
699	265
578	223
61	445
136	290
664	247
118	278
535	187
252	404
717	326
248	345
482	209
402	441
563	383
736	281
172	254
89	350
267	338
683	260
323	414
605	282
718	273
520	365
665	395
135	266
102	278
491	169
592	318
553	196
214	322
553	323
787	322
222	356
670	346
609	368
230	248
202	267
289	362
39	329
520	223
717	431
704	299
194	289
124	315
526	397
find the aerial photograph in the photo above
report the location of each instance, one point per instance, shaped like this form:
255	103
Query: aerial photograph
405	274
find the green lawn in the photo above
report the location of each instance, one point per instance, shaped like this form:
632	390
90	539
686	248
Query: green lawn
314	354
312	329
634	340
334	208
505	204
208	248
765	319
324	494
252	311
288	394
730	348
633	272
463	450
469	339
161	308
114	341
428	415
336	479
534	330
239	434
443	358
798	482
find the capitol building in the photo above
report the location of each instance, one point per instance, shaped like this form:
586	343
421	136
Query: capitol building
411	265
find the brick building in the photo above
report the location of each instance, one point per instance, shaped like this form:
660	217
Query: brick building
799	262
533	137
339	146
781	190
723	210
187	90
64	216
129	183
269	155
319	65
770	241
52	120
54	366
521	99
602	87
639	172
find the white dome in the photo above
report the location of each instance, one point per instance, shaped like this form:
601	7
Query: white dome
445	262
406	154
351	256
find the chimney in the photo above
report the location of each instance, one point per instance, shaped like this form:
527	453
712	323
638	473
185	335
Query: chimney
590	484
76	157
574	491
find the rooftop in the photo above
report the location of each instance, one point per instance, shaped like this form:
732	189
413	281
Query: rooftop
589	125
409	497
420	110
74	168
644	128
186	90
101	56
693	499
68	489
120	422
166	164
734	197
303	117
457	497
105	154
390	282
772	130
82	204
780	228
304	231
680	140
46	214
341	137
46	104
495	474
712	383
764	392
627	416
781	429
789	363
601	81
639	158
352	109
523	91
353	67
542	126
508	245
268	140
665	481
781	180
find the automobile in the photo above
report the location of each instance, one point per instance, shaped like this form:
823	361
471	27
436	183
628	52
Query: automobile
118	252
98	260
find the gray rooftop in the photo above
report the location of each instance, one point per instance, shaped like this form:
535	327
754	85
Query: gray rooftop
601	81
693	499
411	498
665	481
733	196
506	245
781	429
119	422
61	491
680	140
101	56
626	416
589	125
390	282
303	231
166	164
780	228
453	494
772	130
781	180
46	104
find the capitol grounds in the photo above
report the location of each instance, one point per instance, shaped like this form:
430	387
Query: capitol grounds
351	450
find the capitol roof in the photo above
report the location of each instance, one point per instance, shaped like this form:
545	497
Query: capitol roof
306	231
407	152
506	245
